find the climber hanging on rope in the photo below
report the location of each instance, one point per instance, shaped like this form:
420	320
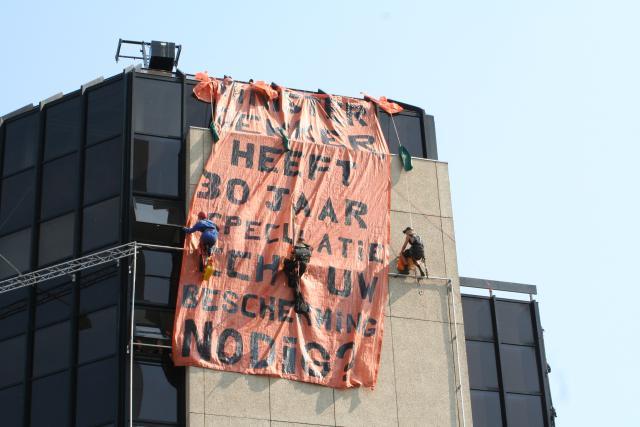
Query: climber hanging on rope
295	267
410	257
208	237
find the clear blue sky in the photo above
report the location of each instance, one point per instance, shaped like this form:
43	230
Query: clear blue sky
536	107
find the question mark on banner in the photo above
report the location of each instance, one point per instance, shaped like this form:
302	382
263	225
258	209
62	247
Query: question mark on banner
341	352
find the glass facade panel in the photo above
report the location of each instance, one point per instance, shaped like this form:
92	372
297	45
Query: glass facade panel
103	170
486	408
13	312
154	290
157	107
11	406
56	239
51	348
158	263
60	186
483	372
101	224
157	211
63	128
154	323
16	248
54	302
17	203
50	400
156	165
524	411
99	288
97	394
520	369
155	395
97	334
20	143
197	113
480	324
409	129
105	112
514	322
12	357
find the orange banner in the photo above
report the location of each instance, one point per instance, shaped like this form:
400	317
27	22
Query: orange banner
333	187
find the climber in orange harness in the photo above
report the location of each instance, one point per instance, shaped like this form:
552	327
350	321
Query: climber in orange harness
411	256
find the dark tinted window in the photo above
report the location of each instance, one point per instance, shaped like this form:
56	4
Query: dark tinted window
520	369
155	395
197	113
524	411
156	272
97	333
17	205
56	239
54	302
486	408
158	263
477	319
159	211
154	323
105	112
157	233
97	393
156	165
157	107
514	322
13	312
409	130
16	248
60	186
154	290
20	144
483	372
12	357
101	224
50	400
99	288
51	348
63	128
11	406
103	170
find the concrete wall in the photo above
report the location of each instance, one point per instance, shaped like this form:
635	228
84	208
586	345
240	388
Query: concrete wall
417	384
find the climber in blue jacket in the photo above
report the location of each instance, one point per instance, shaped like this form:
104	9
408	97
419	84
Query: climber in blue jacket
209	236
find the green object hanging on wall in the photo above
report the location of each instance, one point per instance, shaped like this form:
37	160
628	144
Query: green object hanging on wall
285	140
214	132
405	158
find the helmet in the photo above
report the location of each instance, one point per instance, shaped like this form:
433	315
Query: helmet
202	215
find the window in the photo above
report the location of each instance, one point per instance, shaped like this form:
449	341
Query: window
97	334
50	400
520	369
155	271
16	248
103	170
154	323
409	129
101	224
155	395
11	406
56	239
197	113
158	211
99	287
524	410
486	408
12	357
514	322
481	327
97	394
483	372
105	116
54	301
20	144
157	107
63	128
51	348
18	197
156	165
13	312
60	186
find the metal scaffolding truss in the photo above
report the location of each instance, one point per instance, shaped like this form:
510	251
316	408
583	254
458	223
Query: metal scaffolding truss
68	268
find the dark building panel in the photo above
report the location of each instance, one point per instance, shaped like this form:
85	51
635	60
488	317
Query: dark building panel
59	186
158	211
518	328
197	113
480	311
12	358
101	225
50	400
13	313
51	348
54	301
11	404
103	170
97	334
16	248
483	374
63	128
156	395
99	288
97	393
157	107
57	238
20	143
156	165
486	408
18	201
105	112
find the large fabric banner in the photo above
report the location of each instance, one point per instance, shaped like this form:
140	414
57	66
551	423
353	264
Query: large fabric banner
289	163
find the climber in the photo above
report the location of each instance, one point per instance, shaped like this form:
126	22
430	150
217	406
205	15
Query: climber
208	238
295	267
413	254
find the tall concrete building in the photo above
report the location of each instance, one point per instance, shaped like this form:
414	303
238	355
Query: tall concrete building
117	161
